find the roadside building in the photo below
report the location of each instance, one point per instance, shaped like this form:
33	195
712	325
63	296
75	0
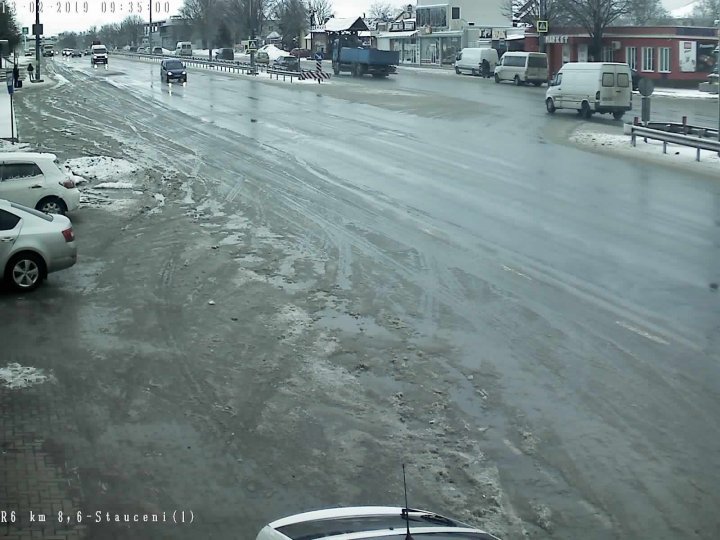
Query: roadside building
667	54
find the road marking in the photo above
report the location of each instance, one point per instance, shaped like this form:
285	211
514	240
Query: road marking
508	269
642	333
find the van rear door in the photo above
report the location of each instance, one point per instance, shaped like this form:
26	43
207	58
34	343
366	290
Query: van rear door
623	82
537	67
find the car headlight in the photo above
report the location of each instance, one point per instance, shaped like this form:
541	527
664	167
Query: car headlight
184	73
169	72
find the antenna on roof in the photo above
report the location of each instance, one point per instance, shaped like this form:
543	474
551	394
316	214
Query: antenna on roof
406	510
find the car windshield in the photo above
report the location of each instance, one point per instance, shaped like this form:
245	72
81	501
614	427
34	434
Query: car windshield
174	65
99	50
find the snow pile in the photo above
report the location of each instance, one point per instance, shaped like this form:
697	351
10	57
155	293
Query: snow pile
7	146
98	168
167	51
622	144
274	52
681	93
114	185
17	376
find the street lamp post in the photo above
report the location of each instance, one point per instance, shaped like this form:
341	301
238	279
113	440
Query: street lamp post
38	32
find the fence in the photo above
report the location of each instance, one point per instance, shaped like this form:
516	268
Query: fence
636	130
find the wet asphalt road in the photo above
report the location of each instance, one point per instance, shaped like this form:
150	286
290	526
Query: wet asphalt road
433	259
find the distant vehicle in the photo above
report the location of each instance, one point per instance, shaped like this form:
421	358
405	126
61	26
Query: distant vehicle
76	53
470	60
30	51
86	52
286	63
34	179
172	70
132	49
183	48
523	67
371	522
591	87
33	245
262	57
98	55
349	55
301	53
48	51
157	50
224	53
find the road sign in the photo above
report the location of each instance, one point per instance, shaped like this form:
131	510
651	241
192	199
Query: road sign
318	57
25	30
542	27
646	87
252	46
37	29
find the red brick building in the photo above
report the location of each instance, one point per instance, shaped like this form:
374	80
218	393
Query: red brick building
672	55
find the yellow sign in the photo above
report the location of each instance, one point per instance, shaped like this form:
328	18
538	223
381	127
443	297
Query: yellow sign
542	27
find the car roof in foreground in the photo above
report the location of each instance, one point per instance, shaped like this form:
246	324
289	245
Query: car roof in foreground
14	207
27	155
372	522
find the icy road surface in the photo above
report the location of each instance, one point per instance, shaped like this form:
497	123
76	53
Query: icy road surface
308	285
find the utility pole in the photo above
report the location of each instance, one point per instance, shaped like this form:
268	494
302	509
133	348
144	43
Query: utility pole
37	30
717	67
150	28
543	17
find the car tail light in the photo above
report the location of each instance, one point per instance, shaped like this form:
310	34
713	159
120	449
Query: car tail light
69	235
68	183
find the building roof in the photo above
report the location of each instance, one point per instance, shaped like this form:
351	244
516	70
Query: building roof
397	34
346	25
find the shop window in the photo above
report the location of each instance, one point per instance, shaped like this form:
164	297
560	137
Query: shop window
648	59
631	57
455	13
664	58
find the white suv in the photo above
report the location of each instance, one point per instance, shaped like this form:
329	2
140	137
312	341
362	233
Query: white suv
35	180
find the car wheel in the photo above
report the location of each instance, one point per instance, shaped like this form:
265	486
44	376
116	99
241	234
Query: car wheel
25	271
585	111
550	105
617	115
497	78
457	71
473	72
537	83
52	205
517	80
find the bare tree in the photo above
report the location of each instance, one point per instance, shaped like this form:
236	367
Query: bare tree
323	9
292	19
707	12
595	16
382	10
647	12
248	16
202	14
531	11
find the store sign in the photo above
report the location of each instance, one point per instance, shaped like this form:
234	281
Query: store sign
498	34
688	56
486	33
556	39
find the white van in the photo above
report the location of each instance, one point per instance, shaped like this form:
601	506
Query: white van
183	48
591	87
470	60
523	67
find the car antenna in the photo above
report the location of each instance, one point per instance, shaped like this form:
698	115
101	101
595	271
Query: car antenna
406	510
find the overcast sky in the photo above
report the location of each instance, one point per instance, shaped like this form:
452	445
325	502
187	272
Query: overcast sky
78	18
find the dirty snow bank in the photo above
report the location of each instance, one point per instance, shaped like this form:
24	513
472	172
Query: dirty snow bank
99	167
16	376
620	143
114	185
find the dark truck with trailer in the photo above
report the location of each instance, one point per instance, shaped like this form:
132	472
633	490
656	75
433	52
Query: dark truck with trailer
350	56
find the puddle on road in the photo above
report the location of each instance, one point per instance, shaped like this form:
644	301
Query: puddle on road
351	324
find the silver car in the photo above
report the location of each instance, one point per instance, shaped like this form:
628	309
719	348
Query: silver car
33	244
370	522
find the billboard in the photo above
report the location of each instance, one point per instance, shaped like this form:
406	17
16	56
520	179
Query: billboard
697	57
688	56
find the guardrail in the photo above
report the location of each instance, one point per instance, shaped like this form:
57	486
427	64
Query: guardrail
284	74
194	61
684	128
636	130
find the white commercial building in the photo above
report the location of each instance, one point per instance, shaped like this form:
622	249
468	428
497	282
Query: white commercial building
435	31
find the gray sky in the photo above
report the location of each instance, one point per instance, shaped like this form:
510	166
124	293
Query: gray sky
79	18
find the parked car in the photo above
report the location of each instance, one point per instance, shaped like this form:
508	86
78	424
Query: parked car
523	67
132	49
366	522
225	53
591	87
470	60
76	53
262	57
30	52
301	53
33	244
183	48
157	51
286	63
172	70
35	180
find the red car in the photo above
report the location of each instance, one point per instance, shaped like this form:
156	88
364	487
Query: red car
301	53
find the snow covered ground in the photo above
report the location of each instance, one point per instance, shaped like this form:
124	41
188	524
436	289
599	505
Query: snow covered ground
15	376
6	128
681	93
99	168
620	143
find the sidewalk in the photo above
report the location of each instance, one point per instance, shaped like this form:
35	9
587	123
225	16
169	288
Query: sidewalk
5	125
